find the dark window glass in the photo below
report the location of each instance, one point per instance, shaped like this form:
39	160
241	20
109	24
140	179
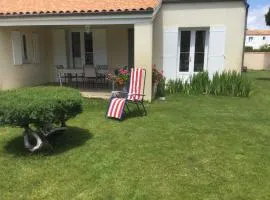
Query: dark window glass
25	56
185	51
131	47
89	54
199	51
76	44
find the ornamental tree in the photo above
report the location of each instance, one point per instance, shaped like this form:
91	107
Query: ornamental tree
40	111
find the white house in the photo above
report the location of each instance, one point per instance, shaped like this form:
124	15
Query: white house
257	38
179	36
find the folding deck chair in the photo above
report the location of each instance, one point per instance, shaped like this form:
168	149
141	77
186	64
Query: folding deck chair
120	100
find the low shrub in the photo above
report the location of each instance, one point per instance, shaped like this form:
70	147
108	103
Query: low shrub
263	48
39	109
248	49
225	84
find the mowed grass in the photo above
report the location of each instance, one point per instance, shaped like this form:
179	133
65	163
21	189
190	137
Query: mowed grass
188	147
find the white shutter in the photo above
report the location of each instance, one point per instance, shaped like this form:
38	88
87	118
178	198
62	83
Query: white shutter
100	47
216	49
170	45
17	48
59	48
36	48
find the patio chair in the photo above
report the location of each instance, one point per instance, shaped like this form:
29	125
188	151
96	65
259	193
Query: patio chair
90	76
60	74
101	71
120	100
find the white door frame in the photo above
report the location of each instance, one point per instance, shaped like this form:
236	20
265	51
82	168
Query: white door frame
187	75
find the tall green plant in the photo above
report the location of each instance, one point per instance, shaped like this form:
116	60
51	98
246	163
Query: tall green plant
230	84
174	86
225	84
200	83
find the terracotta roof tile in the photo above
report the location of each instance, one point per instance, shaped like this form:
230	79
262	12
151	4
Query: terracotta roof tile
39	7
258	32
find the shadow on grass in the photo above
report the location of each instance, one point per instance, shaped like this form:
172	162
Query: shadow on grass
133	112
263	79
62	142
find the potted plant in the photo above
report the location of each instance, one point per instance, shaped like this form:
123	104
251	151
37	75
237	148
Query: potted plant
120	78
161	90
157	76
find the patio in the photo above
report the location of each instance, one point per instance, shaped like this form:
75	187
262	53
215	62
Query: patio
96	93
77	51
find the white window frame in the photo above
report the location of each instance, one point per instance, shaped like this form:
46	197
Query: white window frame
192	49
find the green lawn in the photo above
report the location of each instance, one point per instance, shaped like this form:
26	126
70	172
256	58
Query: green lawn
189	147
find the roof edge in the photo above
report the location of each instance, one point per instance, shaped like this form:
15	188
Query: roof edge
197	1
76	13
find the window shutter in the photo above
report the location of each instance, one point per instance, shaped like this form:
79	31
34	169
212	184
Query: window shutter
17	48
216	49
100	47
36	48
170	44
59	48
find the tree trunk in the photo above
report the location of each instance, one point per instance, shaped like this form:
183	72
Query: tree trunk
40	136
30	133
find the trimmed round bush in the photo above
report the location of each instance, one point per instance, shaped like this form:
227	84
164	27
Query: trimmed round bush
39	110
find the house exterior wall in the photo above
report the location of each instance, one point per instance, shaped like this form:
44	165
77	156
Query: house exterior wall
257	60
158	40
22	75
194	15
117	47
256	41
143	50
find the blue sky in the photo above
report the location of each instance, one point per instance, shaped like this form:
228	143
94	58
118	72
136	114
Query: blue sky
257	10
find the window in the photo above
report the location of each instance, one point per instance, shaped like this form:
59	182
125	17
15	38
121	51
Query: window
185	51
250	39
25	48
25	56
199	51
193	45
88	44
76	49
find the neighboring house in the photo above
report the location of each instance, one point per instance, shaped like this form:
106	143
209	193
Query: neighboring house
180	36
257	38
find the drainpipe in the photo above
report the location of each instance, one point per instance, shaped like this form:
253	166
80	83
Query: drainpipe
245	33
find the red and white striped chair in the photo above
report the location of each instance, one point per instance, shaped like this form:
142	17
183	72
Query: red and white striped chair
135	95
